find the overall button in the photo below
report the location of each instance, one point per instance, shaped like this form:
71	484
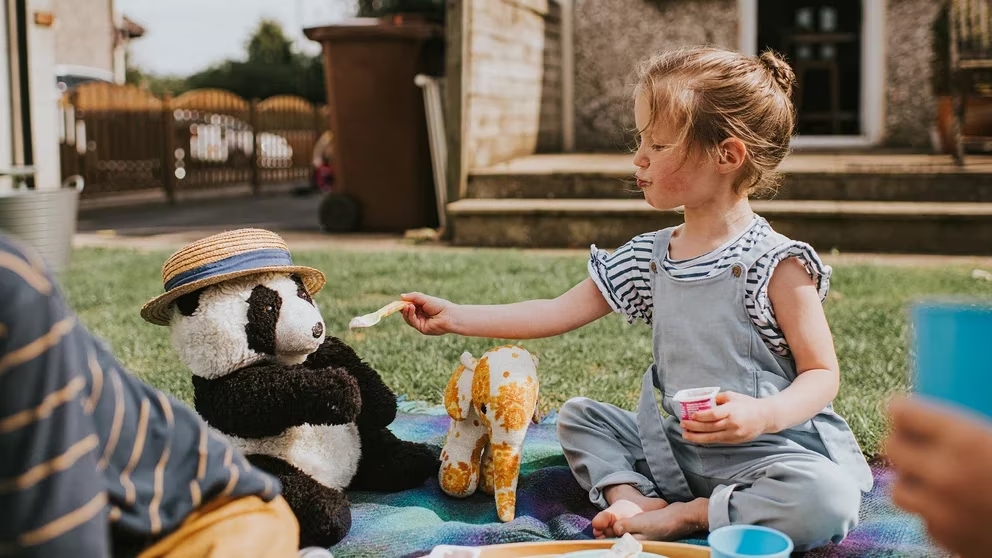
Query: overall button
737	270
654	267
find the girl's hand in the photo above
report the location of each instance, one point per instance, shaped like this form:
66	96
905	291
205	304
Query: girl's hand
428	315
736	419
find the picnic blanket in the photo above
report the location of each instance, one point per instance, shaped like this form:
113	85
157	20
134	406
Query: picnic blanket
552	506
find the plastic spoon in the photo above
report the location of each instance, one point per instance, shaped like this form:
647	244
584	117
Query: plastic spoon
369	320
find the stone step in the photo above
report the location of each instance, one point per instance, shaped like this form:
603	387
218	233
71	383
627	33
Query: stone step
905	178
848	226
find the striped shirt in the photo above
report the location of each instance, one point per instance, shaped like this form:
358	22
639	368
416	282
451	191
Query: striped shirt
93	462
624	277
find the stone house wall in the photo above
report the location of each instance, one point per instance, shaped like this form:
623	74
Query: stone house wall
611	36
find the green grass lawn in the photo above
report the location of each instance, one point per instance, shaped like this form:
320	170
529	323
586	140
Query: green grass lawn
867	310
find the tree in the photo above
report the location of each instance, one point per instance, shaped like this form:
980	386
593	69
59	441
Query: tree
272	68
268	45
156	84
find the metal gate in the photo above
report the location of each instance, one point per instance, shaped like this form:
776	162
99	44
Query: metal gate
124	139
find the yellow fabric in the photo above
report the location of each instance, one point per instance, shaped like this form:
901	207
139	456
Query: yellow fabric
246	527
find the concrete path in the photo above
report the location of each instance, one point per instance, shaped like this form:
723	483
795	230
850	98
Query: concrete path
275	210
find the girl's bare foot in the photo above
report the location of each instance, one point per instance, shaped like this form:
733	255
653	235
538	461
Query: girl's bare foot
671	522
603	523
627	502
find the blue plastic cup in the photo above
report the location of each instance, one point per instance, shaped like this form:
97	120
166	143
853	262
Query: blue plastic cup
953	345
749	541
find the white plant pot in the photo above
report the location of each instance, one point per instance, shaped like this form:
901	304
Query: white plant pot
45	220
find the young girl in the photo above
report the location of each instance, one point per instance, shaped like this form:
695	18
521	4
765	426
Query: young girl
731	303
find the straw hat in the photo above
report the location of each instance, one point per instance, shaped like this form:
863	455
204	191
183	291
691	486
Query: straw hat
221	257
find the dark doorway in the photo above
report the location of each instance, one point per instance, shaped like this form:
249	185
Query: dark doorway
822	41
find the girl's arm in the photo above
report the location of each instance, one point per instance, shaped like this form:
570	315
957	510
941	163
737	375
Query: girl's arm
739	418
529	319
800	315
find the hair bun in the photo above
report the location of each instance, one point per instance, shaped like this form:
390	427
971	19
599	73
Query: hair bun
780	70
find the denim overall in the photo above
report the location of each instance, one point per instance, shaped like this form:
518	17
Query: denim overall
805	481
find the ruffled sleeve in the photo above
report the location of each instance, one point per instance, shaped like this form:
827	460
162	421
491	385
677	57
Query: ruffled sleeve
623	277
818	271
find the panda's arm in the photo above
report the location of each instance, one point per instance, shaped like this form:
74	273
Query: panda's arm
378	401
265	400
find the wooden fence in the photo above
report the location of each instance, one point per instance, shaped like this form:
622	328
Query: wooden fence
124	139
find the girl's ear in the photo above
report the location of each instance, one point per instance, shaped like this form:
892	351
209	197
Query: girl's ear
731	155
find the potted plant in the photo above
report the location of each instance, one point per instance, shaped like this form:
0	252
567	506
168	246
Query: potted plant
424	10
44	219
977	97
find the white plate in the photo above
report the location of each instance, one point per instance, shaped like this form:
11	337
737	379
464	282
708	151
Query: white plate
600	553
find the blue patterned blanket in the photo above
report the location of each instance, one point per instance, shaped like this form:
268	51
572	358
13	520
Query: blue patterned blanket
551	506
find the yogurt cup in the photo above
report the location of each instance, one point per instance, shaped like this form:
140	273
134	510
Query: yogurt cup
695	400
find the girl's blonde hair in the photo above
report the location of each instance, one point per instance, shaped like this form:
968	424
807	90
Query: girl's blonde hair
711	94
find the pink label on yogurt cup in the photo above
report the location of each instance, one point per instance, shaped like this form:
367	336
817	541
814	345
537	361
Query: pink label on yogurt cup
695	400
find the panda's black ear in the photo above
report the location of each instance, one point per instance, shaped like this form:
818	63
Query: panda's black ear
188	303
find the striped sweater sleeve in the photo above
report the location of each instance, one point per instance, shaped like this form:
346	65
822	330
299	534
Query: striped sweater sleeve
52	499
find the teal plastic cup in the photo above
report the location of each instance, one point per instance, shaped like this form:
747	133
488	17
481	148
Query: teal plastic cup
953	360
749	541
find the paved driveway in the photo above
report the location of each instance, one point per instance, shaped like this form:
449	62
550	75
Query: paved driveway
279	211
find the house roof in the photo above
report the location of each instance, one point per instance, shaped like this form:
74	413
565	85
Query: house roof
130	28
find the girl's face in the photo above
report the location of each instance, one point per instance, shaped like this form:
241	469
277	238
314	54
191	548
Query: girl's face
667	177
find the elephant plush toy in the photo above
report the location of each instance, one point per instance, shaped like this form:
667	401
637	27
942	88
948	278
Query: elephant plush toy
491	402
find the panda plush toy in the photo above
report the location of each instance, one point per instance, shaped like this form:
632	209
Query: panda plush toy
299	404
